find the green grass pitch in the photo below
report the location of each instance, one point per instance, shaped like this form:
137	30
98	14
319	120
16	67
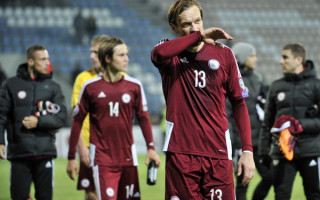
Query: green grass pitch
65	188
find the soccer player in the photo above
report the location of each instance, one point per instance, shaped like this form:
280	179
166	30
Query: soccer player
111	101
197	76
290	130
32	108
85	179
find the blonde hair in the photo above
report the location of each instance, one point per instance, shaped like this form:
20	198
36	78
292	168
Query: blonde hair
178	7
99	39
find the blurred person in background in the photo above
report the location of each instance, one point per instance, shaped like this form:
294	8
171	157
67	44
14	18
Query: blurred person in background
91	27
79	25
32	109
290	135
198	74
85	178
3	75
112	100
246	56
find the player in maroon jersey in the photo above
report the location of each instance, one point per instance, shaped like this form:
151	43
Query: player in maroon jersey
197	75
112	101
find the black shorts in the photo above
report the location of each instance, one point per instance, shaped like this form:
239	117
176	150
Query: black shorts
24	172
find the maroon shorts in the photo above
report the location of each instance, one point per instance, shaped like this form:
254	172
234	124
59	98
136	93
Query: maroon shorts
198	177
85	178
116	182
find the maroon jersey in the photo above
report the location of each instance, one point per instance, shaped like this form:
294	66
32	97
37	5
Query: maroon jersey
112	107
195	86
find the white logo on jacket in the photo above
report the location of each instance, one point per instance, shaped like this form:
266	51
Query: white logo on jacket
281	96
22	94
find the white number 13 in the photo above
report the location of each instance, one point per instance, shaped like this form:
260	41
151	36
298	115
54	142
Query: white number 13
217	193
200	79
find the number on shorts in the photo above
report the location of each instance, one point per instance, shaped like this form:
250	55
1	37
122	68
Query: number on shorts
217	193
129	189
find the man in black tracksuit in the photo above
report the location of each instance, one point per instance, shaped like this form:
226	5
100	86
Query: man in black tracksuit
295	98
32	108
246	56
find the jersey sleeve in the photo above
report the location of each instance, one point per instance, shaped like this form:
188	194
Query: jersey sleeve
165	50
79	113
142	115
237	91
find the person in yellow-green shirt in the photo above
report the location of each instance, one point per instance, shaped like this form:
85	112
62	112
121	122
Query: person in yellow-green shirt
85	179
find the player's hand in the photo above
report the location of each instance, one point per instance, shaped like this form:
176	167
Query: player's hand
72	168
152	155
2	151
246	167
211	35
30	122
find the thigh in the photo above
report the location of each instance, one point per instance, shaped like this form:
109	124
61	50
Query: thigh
42	173
20	179
182	177
129	184
284	173
106	180
85	178
309	171
217	179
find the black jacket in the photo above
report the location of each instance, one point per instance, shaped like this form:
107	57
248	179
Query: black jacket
19	97
253	81
297	95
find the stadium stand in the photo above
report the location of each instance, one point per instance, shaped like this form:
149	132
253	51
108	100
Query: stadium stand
269	25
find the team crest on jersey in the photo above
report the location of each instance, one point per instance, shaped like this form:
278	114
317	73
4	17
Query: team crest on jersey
126	98
213	64
281	96
22	94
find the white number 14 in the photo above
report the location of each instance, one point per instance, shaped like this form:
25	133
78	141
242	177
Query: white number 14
114	109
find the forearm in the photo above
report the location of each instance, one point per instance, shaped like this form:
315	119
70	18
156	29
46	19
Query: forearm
241	117
74	139
173	47
146	128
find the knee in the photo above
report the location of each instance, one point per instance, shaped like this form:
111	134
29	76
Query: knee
91	195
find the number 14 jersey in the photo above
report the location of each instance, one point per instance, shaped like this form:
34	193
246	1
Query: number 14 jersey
112	107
